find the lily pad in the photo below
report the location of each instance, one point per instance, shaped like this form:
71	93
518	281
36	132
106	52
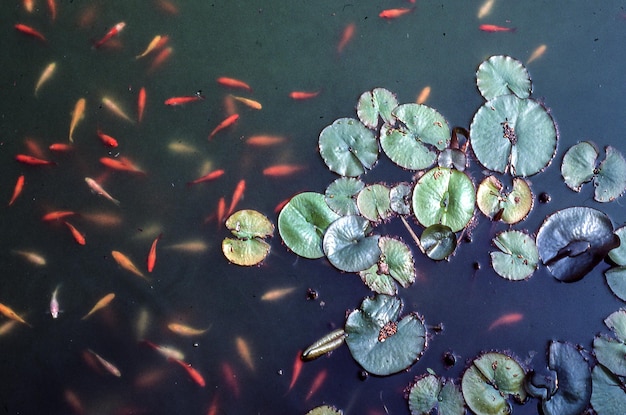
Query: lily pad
616	279
325	410
341	195
495	204
348	147
608	396
610	353
396	263
510	133
429	392
444	196
502	75
412	142
347	247
574	240
618	255
617	323
302	223
438	241
380	343
518	256
249	226
452	158
249	223
371	105
400	198
245	252
487	382
578	164
374	202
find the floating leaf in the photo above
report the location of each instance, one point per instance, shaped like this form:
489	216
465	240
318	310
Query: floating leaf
347	247
616	279
486	383
503	75
610	353
512	133
302	223
249	226
438	241
617	323
341	195
518	256
396	263
371	105
325	410
452	158
608	395
429	392
512	207
414	141
578	164
618	255
610	179
378	342
374	203
400	197
444	196
249	223
245	252
348	147
574	240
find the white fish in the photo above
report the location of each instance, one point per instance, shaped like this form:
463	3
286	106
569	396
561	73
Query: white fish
54	303
93	185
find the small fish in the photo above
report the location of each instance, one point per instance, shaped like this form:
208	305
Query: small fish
17	190
78	237
115	30
395	13
237	196
45	76
108	366
52	7
27	30
233	83
281	170
106	139
7	326
193	373
277	293
491	28
185	330
97	189
126	263
61	147
77	115
244	352
166	351
537	53
175	101
101	303
54	303
265	140
193	246
151	46
115	109
207	177
224	124
32	257
33	161
423	96
103	218
346	37
506	319
248	102
9	313
302	95
231	378
29	5
121	164
151	261
317	383
485	9
221	211
181	148
160	59
56	215
141	104
297	368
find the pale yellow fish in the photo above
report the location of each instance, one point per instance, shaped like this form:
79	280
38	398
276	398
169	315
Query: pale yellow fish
45	76
7	326
485	9
277	293
194	246
537	53
115	109
141	325
108	366
180	147
77	115
155	41
244	352
96	188
32	257
9	313
125	262
103	302
185	330
249	102
423	96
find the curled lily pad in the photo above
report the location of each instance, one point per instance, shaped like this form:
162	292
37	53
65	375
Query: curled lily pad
487	382
347	245
413	141
509	133
438	241
324	345
245	252
371	105
518	256
574	240
429	392
249	226
380	343
400	197
325	410
495	204
444	196
341	195
396	263
608	395
302	223
502	75
348	147
374	202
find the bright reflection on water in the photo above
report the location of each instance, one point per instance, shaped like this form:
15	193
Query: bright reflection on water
277	48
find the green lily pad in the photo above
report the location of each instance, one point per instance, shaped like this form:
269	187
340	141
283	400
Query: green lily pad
374	202
371	105
574	240
518	256
348	147
245	252
444	196
346	245
429	392
249	226
608	395
438	241
503	75
412	142
400	198
487	382
380	343
617	323
618	255
325	410
341	195
610	353
616	279
578	164
249	223
510	133
495	204
452	158
610	179
396	263
302	223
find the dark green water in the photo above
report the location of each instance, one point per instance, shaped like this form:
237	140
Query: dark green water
276	47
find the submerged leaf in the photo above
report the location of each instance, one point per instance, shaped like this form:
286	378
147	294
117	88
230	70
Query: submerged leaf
347	247
348	147
502	75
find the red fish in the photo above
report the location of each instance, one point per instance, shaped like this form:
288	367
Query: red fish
494	28
56	215
264	140
141	103
395	13
207	177
106	139
233	83
19	185
183	100
281	205
280	170
113	32
193	373
237	195
506	319
29	31
221	211
52	8
152	254
317	383
61	147
302	95
160	59
122	164
78	237
224	124
346	37
33	161
297	368
231	378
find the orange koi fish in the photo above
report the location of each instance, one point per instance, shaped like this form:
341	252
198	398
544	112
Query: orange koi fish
231	378
277	294
9	313
537	53
221	211
174	101
106	139
73	401
244	352
101	303
423	96
297	368
491	28
485	9
207	177
113	32
103	218
185	330
302	95
7	326
346	37
45	76
237	195
281	170
265	140
168	7
151	46
121	164
125	262
56	215
167	351
193	373
160	59
78	237
233	83
52	8
248	102
97	189
395	13
317	383
115	109
281	205
141	103
33	161
77	115
108	366
34	148
17	190
151	261
506	319
214	407
27	30
29	5
60	147
224	124
32	257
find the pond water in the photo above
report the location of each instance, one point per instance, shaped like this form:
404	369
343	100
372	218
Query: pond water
276	47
